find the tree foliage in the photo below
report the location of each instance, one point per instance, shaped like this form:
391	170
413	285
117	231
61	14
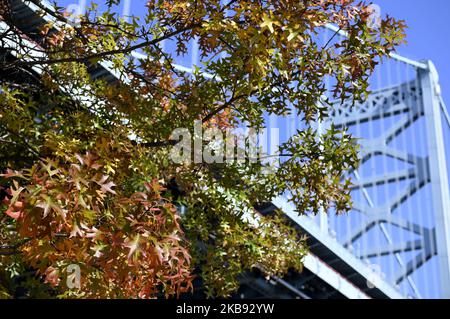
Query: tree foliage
86	173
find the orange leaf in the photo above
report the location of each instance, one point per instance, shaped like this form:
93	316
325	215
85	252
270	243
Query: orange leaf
15	215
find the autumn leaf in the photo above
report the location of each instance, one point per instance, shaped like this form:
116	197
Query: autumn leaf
52	276
268	23
132	245
13	214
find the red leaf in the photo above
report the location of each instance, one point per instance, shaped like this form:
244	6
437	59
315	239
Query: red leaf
107	187
15	215
51	276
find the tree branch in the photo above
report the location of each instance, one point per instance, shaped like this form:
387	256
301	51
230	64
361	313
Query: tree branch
12	249
114	52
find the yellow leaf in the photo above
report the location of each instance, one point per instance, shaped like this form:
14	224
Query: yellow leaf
268	22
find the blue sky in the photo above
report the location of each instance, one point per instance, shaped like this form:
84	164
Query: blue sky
428	33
